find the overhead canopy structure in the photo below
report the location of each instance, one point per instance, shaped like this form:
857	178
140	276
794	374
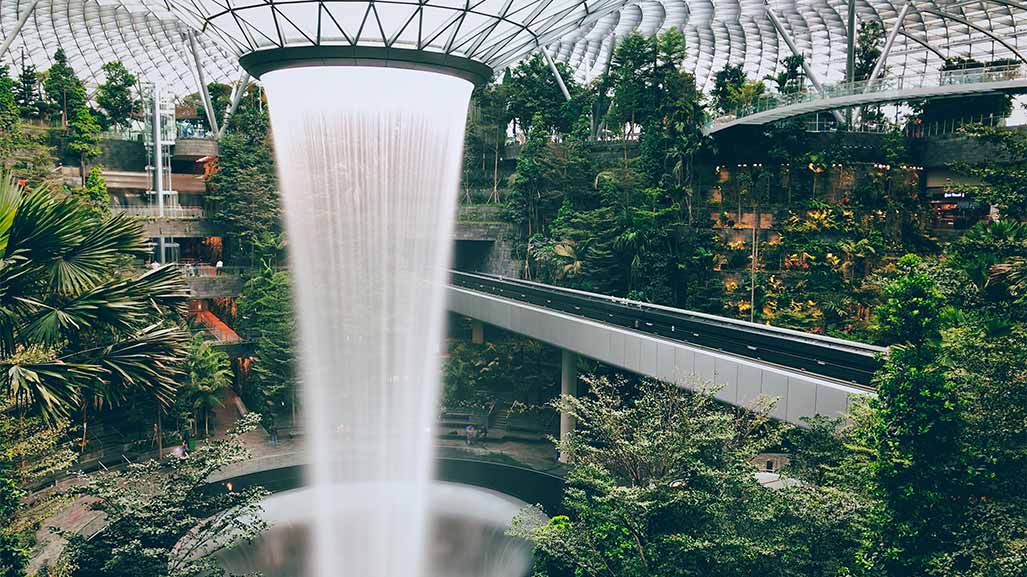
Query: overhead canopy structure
494	33
150	36
740	32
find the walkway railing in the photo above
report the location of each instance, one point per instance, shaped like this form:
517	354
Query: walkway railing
945	78
205	270
176	212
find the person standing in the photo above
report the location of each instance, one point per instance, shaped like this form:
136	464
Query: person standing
218	266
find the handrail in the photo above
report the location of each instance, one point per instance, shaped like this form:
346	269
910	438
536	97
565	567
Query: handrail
829	357
172	212
943	78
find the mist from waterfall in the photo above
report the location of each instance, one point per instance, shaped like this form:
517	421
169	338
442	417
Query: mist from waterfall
369	164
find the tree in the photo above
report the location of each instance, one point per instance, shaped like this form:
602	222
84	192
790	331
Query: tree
727	78
662	485
912	307
163	519
631	72
244	189
868	49
266	318
84	137
14	555
920	470
9	113
115	96
64	91
220	98
93	193
67	321
531	89
209	375
26	93
1003	176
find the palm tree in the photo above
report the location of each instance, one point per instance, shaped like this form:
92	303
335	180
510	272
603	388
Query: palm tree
75	327
209	375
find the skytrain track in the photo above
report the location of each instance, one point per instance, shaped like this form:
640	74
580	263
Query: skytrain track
847	361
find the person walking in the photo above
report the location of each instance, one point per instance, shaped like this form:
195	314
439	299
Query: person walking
469	432
218	266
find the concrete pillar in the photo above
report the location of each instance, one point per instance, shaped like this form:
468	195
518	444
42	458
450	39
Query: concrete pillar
568	386
477	332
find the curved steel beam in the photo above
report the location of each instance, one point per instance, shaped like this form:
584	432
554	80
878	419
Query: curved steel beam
977	27
925	44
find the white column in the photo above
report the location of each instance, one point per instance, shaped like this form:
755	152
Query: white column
805	65
158	167
477	332
212	120
556	73
879	65
568	386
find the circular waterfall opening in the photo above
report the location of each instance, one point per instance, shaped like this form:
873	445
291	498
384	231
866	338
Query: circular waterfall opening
467	534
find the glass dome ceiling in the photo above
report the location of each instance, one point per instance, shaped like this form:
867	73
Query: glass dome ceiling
146	36
149	36
492	32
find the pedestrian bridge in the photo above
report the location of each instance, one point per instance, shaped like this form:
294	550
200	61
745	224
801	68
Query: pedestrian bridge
981	80
808	374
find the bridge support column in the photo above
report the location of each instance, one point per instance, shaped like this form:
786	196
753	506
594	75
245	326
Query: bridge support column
568	386
477	332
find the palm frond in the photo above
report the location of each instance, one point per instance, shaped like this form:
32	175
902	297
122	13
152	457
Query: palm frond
148	361
90	261
50	388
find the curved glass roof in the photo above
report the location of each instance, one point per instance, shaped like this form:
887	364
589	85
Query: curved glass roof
146	36
738	32
149	36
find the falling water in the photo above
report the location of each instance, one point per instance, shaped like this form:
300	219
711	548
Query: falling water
369	164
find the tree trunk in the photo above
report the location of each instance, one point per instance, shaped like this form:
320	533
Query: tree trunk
495	168
85	406
160	435
206	423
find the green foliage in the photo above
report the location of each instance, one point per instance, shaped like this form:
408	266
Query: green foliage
14	556
9	112
210	373
244	189
868	49
84	135
728	79
1003	177
919	469
663	484
911	311
69	328
115	96
266	319
163	519
27	94
534	99
476	373
64	91
94	193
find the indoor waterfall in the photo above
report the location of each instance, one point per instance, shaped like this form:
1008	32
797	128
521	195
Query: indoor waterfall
369	164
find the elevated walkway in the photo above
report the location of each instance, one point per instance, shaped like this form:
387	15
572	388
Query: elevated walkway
848	94
808	374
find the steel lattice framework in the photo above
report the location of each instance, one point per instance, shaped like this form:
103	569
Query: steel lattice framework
151	36
739	32
492	32
146	36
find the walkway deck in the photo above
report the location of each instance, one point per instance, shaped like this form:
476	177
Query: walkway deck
942	84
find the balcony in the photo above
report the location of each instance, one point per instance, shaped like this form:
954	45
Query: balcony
195	147
170	212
